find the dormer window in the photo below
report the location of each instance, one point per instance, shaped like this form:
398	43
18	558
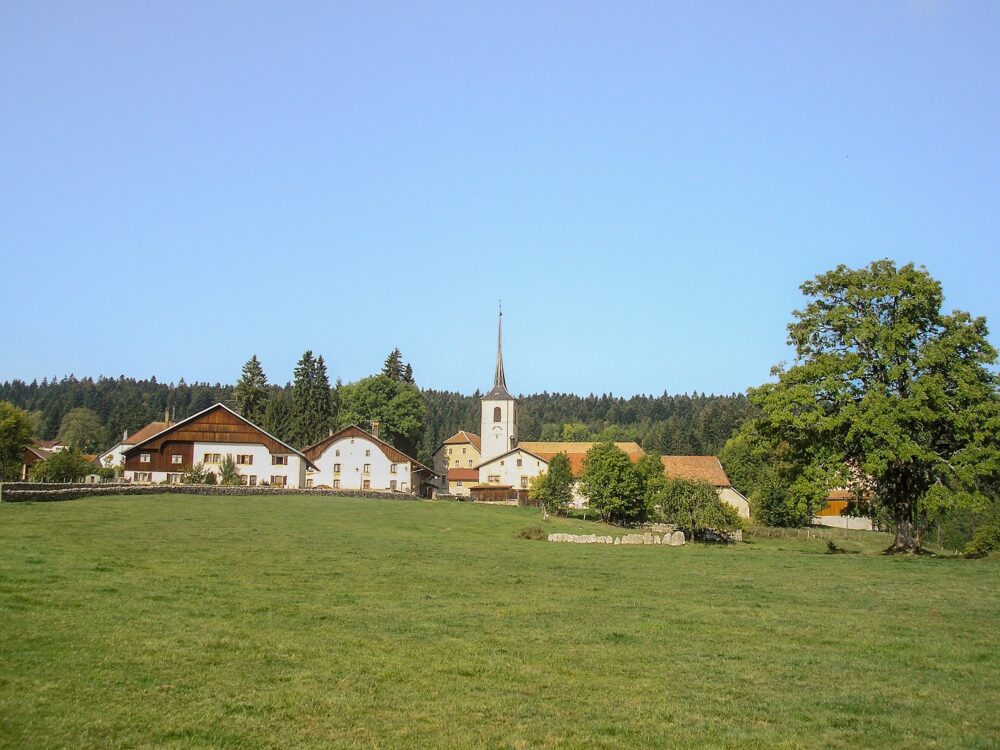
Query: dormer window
496	414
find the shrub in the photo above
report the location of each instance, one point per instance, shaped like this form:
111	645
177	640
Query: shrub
537	533
985	540
695	506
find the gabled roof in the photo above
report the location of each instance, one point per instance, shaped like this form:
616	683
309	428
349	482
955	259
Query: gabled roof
48	445
576	452
462	437
316	450
193	420
144	432
39	453
518	449
703	468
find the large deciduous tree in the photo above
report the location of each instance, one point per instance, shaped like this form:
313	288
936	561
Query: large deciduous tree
82	429
613	485
554	488
887	393
397	406
16	428
251	391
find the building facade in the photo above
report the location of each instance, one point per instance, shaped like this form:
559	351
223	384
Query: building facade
206	438
456	462
352	459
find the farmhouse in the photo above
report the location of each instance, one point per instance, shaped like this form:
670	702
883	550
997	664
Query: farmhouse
39	450
352	459
207	438
706	469
455	461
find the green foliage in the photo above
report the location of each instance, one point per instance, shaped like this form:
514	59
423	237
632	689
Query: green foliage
229	472
554	488
278	416
613	485
107	473
197	475
251	391
536	533
81	428
695	506
887	387
16	429
397	406
986	539
312	404
393	367
67	465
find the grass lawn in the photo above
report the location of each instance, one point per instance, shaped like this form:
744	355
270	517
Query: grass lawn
322	622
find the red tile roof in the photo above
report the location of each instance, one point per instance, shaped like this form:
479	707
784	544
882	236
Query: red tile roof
704	468
576	452
463	475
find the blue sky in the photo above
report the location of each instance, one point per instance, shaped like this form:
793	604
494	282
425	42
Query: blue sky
644	185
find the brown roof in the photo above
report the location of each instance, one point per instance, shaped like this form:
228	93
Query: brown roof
47	445
463	475
462	437
393	454
704	468
576	452
145	432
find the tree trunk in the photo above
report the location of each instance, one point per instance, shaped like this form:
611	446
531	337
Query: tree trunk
906	530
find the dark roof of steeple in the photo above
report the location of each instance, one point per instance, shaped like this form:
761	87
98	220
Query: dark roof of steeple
499	392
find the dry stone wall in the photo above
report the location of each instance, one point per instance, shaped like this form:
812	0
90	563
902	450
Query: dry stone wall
23	492
675	539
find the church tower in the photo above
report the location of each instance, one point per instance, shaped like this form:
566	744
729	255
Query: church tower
498	426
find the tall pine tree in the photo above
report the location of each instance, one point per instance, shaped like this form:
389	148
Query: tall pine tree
393	367
311	403
251	391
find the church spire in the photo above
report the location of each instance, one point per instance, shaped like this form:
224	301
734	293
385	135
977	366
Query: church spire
498	378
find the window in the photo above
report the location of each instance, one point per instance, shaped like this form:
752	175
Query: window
309	483
519	462
244	459
524	482
277	481
403	488
337	452
470	463
392	485
279	460
143	476
392	469
501	463
173	478
176	458
449	451
463	450
368	453
366	485
458	483
336	468
145	458
212	458
493	478
336	484
252	480
496	414
367	469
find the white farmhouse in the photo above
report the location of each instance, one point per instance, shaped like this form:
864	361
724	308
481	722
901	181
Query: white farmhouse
207	438
353	459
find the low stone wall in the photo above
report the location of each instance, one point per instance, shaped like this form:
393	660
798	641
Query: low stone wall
675	539
23	492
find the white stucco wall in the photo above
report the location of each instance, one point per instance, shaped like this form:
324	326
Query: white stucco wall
261	466
736	499
845	522
509	473
354	453
116	454
496	437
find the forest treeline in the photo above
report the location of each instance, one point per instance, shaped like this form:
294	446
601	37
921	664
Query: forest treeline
682	424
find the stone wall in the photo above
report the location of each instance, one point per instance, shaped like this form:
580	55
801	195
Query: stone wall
22	492
675	539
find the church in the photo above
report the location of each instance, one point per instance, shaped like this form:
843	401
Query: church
496	465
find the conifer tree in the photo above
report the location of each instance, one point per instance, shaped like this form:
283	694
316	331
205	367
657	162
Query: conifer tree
311	403
251	391
408	374
393	367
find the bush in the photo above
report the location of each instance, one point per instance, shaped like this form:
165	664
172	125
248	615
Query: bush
696	507
537	533
985	540
62	466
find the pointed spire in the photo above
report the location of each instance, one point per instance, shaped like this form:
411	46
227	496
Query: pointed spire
498	378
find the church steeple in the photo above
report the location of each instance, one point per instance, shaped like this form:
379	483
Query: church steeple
499	392
498	379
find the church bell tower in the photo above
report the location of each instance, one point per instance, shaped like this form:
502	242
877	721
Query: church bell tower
498	426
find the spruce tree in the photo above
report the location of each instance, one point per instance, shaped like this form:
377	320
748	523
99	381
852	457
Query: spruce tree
311	412
408	374
393	367
251	391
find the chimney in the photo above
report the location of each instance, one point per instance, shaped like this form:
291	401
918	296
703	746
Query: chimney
375	427
166	416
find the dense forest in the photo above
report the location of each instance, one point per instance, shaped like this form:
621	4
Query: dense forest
684	424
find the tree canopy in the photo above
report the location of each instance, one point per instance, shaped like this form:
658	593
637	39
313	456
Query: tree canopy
397	406
16	428
81	428
613	485
888	394
251	392
554	487
312	405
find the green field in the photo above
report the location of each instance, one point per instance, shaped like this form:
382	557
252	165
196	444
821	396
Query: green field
323	622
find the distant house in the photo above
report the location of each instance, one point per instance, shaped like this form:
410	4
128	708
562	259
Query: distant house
706	469
39	450
115	456
455	461
207	438
352	459
511	470
832	513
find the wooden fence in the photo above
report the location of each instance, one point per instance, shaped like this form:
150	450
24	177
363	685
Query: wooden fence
828	533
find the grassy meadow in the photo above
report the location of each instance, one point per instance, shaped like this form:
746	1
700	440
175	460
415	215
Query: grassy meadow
323	622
